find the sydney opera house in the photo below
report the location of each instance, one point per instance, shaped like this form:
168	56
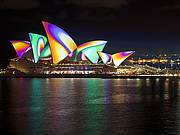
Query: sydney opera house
57	53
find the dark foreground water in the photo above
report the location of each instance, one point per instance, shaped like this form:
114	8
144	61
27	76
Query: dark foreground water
89	106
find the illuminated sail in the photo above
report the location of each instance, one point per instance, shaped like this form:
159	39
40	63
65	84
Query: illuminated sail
38	43
91	44
21	47
90	49
46	52
106	58
83	57
118	58
71	54
91	53
61	44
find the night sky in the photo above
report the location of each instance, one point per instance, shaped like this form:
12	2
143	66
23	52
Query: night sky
146	26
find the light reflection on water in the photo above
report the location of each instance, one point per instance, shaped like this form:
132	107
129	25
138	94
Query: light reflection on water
90	106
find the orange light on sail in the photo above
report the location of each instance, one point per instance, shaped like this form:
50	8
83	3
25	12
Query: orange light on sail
61	44
118	58
21	47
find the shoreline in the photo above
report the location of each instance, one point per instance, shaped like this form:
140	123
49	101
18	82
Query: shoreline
87	76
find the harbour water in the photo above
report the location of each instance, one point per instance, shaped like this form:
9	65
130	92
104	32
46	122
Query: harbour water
89	106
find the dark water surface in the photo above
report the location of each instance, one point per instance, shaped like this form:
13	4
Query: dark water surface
58	106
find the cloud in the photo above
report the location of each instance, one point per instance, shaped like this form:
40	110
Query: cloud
18	4
171	7
99	3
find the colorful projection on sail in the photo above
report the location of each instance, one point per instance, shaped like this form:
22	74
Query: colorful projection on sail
21	47
106	58
117	58
61	44
58	45
38	43
90	49
83	57
46	52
